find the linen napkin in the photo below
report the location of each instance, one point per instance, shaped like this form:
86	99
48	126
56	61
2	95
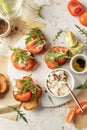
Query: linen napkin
80	120
8	99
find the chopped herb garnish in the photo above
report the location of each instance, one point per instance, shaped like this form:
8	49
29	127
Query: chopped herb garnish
82	86
21	55
20	113
58	34
56	55
27	85
35	33
50	99
82	31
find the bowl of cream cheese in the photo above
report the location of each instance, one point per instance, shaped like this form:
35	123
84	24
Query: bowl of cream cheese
57	82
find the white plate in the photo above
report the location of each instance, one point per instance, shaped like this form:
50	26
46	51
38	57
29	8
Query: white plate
39	75
54	22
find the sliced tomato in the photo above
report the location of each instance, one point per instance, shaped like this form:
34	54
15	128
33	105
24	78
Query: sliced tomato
75	8
32	46
19	83
84	107
83	19
76	111
51	65
56	63
30	63
23	96
70	116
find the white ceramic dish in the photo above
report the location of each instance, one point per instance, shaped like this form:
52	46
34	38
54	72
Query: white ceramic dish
57	80
7	32
76	57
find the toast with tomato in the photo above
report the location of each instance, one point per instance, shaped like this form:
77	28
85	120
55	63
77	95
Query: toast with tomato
3	84
35	41
22	60
33	102
27	92
56	56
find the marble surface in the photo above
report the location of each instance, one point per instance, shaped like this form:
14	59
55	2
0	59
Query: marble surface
41	118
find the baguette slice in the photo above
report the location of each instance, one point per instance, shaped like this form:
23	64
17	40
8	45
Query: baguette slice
3	84
33	102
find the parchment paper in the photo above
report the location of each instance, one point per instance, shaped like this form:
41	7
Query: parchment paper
7	99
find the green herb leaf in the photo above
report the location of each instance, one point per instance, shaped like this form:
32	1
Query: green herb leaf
82	86
58	34
82	31
21	55
13	49
50	99
35	33
20	113
27	85
57	55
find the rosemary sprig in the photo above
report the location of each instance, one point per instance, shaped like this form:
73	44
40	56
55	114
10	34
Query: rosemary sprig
21	55
27	85
50	99
39	11
56	55
20	113
57	35
82	86
82	31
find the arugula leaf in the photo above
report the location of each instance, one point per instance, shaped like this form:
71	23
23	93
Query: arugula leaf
82	30
13	49
21	55
57	55
82	86
27	85
35	32
57	35
20	113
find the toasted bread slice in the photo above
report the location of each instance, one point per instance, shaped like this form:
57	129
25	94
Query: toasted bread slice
3	84
33	102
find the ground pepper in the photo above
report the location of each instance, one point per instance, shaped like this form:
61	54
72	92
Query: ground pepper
3	26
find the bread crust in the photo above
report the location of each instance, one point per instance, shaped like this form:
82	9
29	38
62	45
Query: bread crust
3	84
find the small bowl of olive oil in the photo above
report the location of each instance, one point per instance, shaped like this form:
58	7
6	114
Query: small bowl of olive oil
78	63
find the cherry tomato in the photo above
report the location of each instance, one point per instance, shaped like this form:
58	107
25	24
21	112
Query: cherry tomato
70	116
29	66
75	8
55	63
83	19
76	111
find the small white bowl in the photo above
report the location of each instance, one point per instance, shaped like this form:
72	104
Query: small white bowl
60	91
7	32
78	56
